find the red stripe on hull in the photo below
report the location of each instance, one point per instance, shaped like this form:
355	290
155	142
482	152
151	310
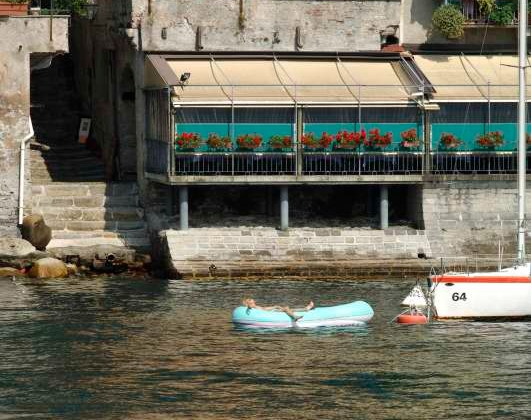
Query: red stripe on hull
477	279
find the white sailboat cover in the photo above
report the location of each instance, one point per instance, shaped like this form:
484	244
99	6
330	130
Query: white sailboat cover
415	298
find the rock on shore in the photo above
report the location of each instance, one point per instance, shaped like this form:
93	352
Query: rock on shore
48	268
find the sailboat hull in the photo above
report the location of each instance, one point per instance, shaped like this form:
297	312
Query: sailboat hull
501	294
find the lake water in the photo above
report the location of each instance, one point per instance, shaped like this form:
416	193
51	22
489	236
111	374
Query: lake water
116	348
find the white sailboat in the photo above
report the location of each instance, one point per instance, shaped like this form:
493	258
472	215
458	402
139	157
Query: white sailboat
505	293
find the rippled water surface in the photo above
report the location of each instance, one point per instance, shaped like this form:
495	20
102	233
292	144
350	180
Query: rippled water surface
137	349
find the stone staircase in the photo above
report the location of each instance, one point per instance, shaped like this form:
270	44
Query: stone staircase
91	213
68	180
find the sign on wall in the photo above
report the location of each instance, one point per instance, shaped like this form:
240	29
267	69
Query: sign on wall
84	130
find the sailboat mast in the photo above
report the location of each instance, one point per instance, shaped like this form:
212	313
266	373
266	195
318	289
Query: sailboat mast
522	64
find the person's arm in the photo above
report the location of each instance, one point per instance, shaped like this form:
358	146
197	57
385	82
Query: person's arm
270	308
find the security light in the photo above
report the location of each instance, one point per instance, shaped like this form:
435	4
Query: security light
184	78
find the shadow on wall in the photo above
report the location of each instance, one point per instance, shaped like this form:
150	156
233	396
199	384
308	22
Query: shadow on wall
309	206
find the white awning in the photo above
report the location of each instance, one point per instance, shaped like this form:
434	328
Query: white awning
477	78
279	81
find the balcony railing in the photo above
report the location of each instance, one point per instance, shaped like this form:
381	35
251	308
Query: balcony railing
474	16
343	163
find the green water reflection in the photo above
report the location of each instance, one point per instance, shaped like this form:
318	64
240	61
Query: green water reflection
137	349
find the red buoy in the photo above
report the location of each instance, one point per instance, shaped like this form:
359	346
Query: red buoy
417	318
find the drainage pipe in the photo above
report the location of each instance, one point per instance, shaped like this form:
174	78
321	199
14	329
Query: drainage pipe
21	177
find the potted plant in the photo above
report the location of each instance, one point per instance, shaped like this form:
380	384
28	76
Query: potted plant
502	14
486	6
449	141
350	139
188	141
311	141
13	7
490	140
249	141
280	142
217	142
449	21
377	140
409	139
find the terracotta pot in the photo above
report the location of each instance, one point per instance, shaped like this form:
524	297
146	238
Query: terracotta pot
13	9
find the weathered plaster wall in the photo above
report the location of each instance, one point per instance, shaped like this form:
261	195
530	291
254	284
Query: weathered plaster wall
264	25
18	38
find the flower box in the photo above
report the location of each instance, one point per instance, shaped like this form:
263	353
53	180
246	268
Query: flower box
409	139
249	141
311	141
377	140
217	142
8	8
490	140
449	141
350	139
280	142
187	141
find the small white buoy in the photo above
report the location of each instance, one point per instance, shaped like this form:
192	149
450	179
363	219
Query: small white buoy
415	298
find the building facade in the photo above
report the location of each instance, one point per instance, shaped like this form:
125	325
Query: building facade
264	107
26	43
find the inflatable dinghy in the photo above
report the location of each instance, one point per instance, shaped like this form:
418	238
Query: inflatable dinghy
354	313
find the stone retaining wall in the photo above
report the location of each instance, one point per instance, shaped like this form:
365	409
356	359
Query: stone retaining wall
195	250
471	217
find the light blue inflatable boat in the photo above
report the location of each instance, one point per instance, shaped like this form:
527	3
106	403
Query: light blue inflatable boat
355	313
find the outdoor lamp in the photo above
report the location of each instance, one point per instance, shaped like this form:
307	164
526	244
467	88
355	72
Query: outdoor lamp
184	78
91	9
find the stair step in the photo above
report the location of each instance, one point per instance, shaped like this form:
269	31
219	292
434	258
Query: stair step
130	234
87	189
58	175
90	214
81	225
52	157
139	244
52	180
108	202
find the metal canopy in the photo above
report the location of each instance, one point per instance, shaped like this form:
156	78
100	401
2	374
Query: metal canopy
209	80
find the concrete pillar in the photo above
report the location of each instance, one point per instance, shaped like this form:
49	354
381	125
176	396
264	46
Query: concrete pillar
284	208
384	207
183	206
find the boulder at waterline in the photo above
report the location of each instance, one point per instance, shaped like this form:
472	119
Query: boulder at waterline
36	231
15	247
48	267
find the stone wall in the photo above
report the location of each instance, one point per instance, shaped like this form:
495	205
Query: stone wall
460	218
195	250
264	25
471	217
20	36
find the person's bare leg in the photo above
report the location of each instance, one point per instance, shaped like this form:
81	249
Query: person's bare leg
309	306
292	314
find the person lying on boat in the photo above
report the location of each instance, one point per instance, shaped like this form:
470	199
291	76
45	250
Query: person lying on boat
251	304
